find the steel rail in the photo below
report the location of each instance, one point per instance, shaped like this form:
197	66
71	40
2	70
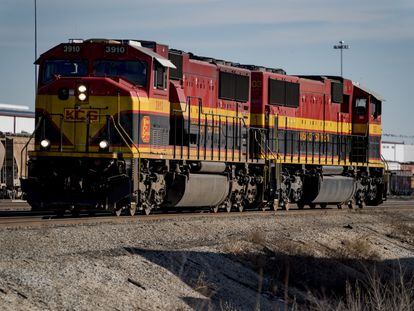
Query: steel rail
48	220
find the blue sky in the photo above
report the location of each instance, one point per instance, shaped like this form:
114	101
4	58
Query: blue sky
296	35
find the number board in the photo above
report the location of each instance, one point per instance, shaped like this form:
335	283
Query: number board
115	49
71	48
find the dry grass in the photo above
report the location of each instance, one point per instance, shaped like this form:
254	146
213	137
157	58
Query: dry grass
350	277
257	237
357	248
227	306
235	247
372	294
402	232
204	287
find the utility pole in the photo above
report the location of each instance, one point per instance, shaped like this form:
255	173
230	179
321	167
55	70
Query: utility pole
341	46
35	39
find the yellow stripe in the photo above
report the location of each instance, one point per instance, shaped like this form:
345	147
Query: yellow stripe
210	113
308	124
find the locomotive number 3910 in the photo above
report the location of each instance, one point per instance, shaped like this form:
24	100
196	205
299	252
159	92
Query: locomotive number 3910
115	49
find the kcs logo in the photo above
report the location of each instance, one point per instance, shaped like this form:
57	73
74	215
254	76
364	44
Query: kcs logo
81	115
146	129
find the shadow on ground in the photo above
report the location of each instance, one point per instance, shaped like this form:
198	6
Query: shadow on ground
266	280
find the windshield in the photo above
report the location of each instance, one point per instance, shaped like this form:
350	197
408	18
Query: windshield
64	68
133	71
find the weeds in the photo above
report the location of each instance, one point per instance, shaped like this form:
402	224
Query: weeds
358	248
402	232
204	287
372	294
257	237
227	306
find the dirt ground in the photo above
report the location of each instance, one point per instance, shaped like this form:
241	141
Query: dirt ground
255	262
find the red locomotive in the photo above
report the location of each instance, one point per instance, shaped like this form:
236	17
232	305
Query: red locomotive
127	124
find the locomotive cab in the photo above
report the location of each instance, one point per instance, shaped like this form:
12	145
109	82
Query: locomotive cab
93	111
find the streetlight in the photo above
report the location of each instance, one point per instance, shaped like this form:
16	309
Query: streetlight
341	46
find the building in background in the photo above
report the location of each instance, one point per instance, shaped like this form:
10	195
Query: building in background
16	119
396	154
400	162
16	125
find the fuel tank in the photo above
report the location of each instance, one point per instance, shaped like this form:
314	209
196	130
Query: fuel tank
197	190
335	189
328	189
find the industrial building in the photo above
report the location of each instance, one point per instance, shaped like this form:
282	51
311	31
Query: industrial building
399	157
16	119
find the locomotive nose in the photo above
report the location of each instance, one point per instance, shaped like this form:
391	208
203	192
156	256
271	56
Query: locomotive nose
81	114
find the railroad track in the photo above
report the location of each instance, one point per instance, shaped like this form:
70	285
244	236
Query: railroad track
22	217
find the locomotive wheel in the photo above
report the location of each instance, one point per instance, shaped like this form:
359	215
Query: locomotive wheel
312	205
350	205
60	213
75	211
228	208
214	209
339	206
275	205
118	211
285	205
240	207
361	204
323	205
132	208
147	209
262	206
300	205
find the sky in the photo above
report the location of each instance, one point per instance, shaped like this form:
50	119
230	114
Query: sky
296	35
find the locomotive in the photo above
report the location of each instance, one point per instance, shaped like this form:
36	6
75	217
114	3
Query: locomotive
132	125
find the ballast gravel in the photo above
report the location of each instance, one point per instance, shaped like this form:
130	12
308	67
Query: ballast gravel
175	264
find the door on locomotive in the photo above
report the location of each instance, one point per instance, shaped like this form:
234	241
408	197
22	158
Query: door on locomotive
360	127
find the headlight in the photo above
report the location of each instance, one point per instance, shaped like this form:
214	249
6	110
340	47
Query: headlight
103	144
45	143
82	96
82	89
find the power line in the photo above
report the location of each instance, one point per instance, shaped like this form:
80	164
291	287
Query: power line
398	135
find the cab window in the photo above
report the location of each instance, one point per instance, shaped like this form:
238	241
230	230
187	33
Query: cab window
360	106
375	108
133	71
63	68
160	76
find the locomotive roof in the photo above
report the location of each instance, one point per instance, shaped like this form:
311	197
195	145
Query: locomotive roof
367	90
145	47
228	63
341	79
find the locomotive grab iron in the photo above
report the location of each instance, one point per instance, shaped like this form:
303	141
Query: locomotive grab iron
123	125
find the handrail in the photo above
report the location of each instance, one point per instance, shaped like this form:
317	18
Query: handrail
385	163
266	145
122	135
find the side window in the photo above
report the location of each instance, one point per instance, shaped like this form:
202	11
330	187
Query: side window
160	76
360	106
375	108
283	93
345	104
234	86
337	93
